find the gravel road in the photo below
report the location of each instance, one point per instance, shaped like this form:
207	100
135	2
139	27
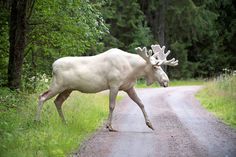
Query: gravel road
183	128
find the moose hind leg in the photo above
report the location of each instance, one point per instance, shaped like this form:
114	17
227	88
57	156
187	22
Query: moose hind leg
112	103
42	98
59	101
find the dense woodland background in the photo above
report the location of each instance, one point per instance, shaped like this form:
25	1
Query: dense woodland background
34	33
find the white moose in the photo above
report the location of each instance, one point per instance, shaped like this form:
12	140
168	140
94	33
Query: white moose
114	70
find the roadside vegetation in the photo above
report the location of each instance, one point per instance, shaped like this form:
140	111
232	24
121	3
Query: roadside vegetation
189	82
219	97
21	136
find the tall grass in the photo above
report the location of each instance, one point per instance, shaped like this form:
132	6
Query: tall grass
21	136
219	97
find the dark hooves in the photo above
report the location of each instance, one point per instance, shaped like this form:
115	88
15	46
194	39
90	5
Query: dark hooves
111	129
150	125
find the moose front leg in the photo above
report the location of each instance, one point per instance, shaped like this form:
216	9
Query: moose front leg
112	103
132	94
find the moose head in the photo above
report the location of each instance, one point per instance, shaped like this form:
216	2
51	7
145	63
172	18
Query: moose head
156	57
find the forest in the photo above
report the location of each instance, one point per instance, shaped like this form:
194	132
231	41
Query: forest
199	33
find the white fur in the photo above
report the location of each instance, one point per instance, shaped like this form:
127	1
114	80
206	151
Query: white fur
113	68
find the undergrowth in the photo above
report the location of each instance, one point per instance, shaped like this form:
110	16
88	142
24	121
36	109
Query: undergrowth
219	97
21	136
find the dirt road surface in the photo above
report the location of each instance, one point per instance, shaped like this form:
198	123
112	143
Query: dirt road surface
183	128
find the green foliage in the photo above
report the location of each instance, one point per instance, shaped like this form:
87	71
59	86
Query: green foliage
219	97
192	33
37	82
10	99
63	28
4	44
21	136
55	29
181	71
199	33
192	22
141	36
127	26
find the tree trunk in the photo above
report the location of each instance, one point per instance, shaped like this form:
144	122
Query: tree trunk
17	39
161	23
161	27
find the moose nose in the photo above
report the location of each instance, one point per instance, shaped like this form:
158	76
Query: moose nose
165	84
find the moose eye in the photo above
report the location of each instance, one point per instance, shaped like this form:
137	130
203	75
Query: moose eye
156	67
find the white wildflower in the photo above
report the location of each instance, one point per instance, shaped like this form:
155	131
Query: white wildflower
46	80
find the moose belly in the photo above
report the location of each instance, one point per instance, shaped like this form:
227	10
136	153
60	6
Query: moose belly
87	85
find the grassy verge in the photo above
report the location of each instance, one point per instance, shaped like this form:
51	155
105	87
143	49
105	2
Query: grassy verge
190	82
219	97
20	136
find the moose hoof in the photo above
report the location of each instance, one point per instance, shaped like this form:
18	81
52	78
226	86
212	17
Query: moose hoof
149	124
109	127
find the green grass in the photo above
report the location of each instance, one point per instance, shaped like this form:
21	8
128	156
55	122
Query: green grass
21	136
219	97
189	82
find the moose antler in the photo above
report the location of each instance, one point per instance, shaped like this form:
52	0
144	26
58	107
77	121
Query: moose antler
144	53
156	56
159	57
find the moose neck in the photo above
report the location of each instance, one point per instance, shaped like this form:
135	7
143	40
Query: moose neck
140	67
